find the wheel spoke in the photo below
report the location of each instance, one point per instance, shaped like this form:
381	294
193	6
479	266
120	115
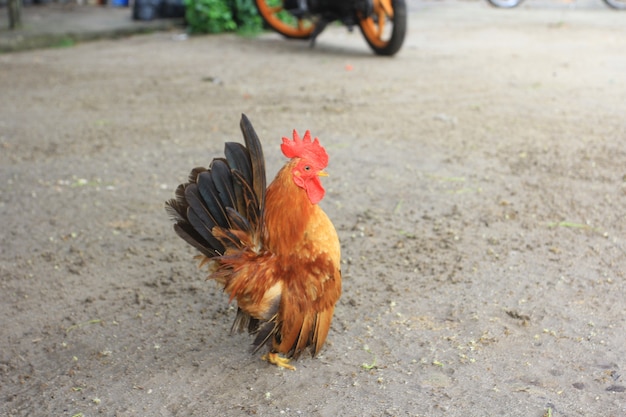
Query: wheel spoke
385	5
381	23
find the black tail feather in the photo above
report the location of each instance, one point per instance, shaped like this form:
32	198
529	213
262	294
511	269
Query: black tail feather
265	333
230	195
193	175
240	222
243	321
192	237
251	203
210	199
224	184
238	159
202	229
257	160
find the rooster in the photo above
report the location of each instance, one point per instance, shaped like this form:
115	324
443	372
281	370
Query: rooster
273	250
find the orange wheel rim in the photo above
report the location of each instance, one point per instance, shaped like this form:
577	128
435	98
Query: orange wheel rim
302	28
374	30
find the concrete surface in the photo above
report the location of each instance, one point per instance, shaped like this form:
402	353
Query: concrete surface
65	24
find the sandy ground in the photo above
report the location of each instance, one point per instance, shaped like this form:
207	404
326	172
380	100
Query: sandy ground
477	182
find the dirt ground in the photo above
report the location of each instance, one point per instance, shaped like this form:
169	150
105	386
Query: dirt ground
477	182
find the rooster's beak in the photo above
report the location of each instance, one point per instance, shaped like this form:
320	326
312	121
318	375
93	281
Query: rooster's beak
322	174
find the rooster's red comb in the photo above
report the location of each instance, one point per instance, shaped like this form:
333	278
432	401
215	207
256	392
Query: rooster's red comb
304	148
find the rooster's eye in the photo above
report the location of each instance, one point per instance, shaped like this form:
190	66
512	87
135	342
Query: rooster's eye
307	168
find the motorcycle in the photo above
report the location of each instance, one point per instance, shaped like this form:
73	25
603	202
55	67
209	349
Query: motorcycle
382	22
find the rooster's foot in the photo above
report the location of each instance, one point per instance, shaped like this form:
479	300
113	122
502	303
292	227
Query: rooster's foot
277	360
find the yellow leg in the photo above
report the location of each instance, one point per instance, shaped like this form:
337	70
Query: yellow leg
277	360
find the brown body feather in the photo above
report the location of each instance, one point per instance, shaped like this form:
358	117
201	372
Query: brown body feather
275	252
307	254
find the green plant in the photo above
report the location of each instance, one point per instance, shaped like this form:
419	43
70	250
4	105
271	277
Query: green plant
64	42
214	16
209	16
247	16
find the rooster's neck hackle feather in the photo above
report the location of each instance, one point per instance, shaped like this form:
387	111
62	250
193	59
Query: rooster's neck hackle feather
288	211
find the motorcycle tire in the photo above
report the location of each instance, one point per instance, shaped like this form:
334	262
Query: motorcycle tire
616	4
505	4
283	22
382	40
